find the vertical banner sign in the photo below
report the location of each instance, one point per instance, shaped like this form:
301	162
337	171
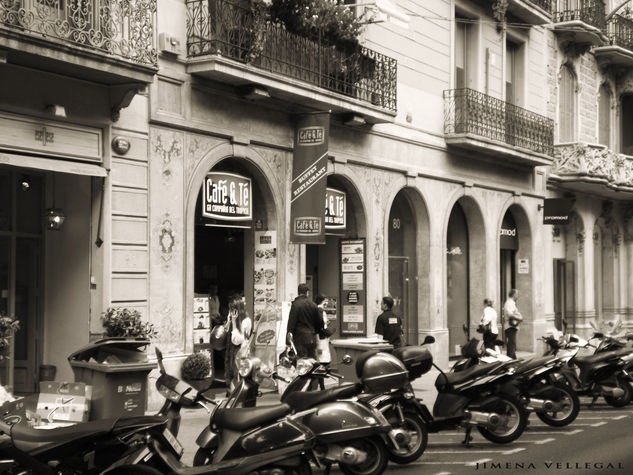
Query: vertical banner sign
265	271
309	169
352	302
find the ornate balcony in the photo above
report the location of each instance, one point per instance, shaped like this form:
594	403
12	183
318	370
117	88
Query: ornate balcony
620	49
226	43
479	122
534	12
592	168
104	41
580	22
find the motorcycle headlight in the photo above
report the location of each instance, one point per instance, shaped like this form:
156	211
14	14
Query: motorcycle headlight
304	365
247	365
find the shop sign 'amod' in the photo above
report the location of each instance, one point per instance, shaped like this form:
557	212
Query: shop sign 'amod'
227	196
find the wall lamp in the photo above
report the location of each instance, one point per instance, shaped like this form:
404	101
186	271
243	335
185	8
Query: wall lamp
55	110
54	217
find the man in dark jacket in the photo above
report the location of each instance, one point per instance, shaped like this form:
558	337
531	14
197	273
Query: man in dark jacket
389	325
304	324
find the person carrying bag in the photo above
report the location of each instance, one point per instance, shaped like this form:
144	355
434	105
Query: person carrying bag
488	325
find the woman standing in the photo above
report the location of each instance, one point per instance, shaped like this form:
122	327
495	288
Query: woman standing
323	343
240	327
489	321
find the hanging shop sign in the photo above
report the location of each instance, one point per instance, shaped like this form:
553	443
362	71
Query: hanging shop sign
335	202
353	291
309	169
556	210
508	235
226	196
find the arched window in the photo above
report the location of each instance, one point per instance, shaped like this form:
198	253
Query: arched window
567	106
604	116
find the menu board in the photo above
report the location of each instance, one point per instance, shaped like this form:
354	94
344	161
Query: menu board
265	271
353	292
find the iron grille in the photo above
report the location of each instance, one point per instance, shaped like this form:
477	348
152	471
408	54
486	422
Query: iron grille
543	4
124	29
225	28
620	32
467	111
591	12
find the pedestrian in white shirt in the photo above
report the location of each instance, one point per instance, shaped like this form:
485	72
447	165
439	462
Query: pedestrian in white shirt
513	317
489	321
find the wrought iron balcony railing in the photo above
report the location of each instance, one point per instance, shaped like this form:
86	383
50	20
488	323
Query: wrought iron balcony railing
220	27
591	12
543	4
467	111
124	29
620	32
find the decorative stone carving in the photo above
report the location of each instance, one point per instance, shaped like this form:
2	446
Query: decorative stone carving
378	250
169	328
595	161
499	8
168	151
166	241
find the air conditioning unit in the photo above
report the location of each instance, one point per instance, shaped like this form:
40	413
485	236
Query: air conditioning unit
168	44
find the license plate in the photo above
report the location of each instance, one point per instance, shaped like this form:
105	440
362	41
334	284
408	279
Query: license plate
175	445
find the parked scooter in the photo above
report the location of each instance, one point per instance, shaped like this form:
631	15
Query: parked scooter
398	405
238	440
537	382
605	373
351	434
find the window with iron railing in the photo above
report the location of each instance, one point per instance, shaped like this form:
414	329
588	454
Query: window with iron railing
125	29
229	29
591	12
467	111
620	32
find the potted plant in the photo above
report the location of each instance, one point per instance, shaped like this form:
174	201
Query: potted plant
126	322
8	326
197	369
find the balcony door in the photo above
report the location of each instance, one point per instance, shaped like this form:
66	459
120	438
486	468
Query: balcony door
21	274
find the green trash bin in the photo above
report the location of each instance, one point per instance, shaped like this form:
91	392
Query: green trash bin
117	370
354	347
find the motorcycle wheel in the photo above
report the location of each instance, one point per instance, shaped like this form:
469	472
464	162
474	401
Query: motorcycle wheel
510	408
134	470
623	400
418	432
377	457
567	416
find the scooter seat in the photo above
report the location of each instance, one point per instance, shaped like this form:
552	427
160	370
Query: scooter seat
470	373
243	418
598	357
27	438
528	365
300	401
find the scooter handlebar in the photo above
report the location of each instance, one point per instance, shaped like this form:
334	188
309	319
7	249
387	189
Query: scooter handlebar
280	378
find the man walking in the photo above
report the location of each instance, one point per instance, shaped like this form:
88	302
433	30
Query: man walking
304	324
389	325
514	318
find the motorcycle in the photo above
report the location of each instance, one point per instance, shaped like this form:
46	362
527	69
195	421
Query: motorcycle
398	405
238	440
537	382
348	433
604	373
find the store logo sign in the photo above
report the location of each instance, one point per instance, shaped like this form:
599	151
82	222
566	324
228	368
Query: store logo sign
227	196
307	226
310	135
335	202
508	232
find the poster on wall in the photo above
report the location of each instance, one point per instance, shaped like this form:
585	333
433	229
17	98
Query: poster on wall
309	168
265	271
353	292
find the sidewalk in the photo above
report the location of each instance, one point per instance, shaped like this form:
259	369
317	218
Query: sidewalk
194	420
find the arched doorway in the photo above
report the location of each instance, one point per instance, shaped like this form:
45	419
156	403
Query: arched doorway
408	261
465	265
329	270
565	256
234	246
606	276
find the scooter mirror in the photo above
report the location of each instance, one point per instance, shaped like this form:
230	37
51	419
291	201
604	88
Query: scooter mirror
347	360
159	358
428	339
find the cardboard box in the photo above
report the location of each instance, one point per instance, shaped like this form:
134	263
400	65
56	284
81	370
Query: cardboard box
64	401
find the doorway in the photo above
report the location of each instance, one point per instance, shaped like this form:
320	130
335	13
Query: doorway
21	205
564	295
457	280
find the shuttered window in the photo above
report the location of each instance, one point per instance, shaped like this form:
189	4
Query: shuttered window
567	106
461	37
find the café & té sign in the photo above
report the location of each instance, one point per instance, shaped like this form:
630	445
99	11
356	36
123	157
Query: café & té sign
334	209
227	196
